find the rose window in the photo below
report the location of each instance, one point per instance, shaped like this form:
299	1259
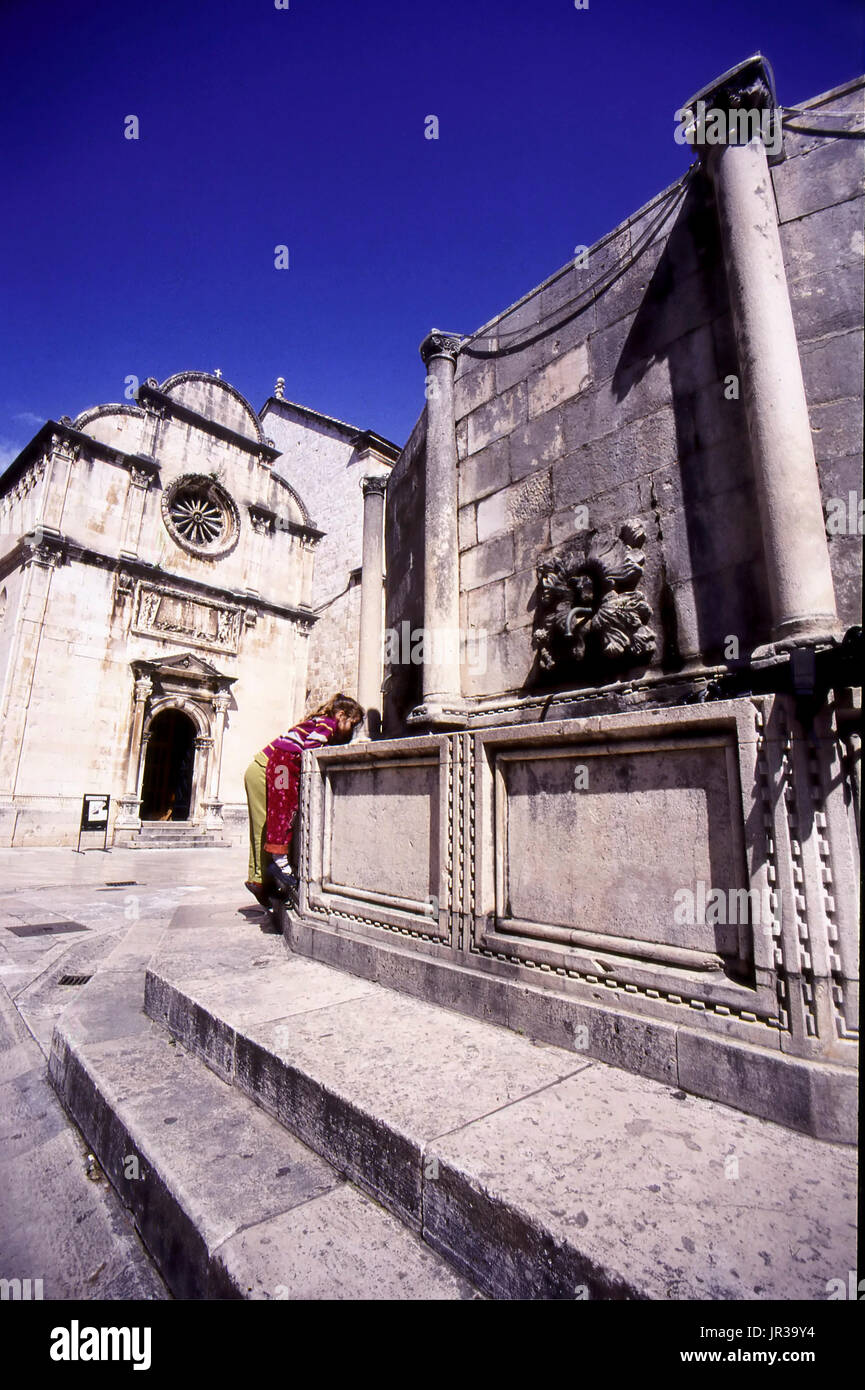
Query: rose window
200	516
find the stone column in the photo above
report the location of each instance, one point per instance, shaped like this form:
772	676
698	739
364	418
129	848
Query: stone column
212	803
441	647
203	749
369	659
130	803
142	763
794	537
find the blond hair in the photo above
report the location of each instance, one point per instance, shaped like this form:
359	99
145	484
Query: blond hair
339	704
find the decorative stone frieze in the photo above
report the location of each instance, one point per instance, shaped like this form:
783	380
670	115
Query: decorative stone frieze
162	611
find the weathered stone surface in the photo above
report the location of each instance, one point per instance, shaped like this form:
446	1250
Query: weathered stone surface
551	819
497	418
824	176
567	329
561	379
642	1045
832	305
339	1246
486	606
474	383
336	1079
508	661
485	563
816	1102
548	1214
516	366
559	294
57	1224
836	428
606	346
521	502
724	532
484	472
211	1180
531	446
626	293
606	509
530	1189
467	526
519	590
805	240
389	804
461	433
832	367
614	459
530	539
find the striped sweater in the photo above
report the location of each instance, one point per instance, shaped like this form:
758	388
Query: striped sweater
283	777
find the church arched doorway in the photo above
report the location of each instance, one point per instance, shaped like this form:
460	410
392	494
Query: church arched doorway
166	790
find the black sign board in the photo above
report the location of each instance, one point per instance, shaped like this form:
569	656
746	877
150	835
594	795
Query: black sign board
94	815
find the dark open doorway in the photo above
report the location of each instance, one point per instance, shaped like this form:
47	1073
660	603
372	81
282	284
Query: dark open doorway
167	787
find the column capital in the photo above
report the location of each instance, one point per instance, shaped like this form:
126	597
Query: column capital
143	688
749	84
375	484
44	546
438	344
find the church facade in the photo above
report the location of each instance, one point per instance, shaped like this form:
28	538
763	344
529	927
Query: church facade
157	608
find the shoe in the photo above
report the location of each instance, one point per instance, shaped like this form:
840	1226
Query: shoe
285	885
258	891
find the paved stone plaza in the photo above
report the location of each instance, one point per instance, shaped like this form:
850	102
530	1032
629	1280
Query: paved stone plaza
58	1224
296	1132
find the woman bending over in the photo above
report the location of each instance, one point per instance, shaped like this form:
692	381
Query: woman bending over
272	783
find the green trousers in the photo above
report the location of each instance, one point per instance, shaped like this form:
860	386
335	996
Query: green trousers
255	783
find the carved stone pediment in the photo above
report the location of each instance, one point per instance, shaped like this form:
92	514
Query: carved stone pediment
183	673
591	619
186	662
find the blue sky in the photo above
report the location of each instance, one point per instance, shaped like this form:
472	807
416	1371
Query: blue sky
305	127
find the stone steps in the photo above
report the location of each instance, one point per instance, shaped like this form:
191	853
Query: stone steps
228	1203
172	839
537	1172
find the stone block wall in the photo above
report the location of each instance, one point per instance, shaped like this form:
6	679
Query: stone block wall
320	461
609	388
820	193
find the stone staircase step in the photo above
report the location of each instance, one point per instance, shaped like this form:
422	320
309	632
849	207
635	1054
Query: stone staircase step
168	842
539	1173
230	1204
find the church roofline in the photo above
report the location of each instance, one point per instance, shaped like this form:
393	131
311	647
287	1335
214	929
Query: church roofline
65	430
178	378
352	432
203	422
